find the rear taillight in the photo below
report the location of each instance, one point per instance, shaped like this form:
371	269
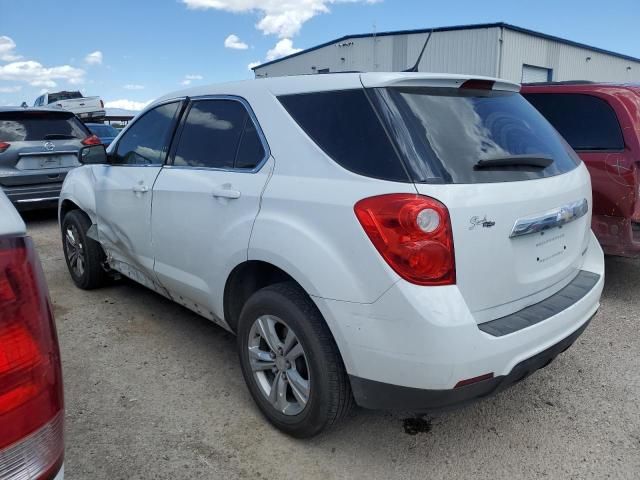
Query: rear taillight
4	146
31	399
92	140
101	104
413	234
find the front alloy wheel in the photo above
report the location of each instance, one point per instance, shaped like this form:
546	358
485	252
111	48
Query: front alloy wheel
74	251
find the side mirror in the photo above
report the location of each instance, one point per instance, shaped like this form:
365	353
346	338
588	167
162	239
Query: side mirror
92	155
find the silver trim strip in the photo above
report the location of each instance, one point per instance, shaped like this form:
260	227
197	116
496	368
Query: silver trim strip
48	153
34	200
551	219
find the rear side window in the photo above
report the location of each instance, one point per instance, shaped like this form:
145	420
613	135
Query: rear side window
346	127
59	96
219	134
146	142
33	126
444	133
585	121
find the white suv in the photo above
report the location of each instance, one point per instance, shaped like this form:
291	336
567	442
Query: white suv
403	240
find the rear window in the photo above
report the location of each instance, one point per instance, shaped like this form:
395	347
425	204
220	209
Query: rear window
28	126
585	121
443	133
56	97
345	125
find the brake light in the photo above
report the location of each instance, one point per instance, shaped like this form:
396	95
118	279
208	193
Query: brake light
475	84
413	234
4	146
92	140
31	398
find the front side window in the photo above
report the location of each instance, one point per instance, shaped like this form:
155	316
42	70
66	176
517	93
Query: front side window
146	142
219	134
585	121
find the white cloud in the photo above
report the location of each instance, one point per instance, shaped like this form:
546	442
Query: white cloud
7	46
94	58
37	75
13	89
283	48
234	42
277	17
133	86
188	79
127	104
253	64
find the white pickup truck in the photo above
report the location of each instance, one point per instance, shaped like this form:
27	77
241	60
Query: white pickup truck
86	108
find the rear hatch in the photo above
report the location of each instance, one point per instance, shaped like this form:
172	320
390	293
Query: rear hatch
518	197
38	146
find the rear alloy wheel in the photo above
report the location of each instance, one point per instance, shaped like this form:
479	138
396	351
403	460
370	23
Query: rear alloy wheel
291	362
279	365
84	256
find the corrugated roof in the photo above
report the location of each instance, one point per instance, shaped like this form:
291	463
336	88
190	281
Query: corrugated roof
454	28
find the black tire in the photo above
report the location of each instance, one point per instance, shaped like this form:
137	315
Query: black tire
330	397
93	274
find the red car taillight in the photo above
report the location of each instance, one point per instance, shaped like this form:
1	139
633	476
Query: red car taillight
31	398
4	146
413	234
92	140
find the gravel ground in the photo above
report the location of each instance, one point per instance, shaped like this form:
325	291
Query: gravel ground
155	392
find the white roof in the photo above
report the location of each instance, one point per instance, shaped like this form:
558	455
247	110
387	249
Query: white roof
336	81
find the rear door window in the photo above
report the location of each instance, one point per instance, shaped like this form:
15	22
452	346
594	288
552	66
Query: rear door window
345	126
585	121
34	126
219	133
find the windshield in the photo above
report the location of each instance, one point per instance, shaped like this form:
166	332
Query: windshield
443	134
27	126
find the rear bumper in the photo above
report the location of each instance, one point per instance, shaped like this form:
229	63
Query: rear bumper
26	197
618	235
426	339
384	396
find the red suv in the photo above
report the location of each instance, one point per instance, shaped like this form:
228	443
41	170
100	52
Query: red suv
602	124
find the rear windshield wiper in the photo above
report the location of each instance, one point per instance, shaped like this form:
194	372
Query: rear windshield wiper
526	160
58	136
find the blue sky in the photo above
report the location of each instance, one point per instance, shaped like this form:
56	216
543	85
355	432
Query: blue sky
130	52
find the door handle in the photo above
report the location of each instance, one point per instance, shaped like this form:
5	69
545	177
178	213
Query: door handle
140	188
225	192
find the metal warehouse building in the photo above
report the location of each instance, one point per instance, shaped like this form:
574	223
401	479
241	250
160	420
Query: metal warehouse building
495	50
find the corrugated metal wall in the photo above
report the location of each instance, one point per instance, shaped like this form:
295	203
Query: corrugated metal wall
566	61
474	51
463	51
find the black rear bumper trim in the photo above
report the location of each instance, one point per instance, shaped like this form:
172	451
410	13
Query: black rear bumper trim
541	311
384	396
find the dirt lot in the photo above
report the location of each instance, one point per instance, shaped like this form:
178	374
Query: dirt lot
155	392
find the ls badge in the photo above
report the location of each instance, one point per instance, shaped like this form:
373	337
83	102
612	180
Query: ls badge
480	222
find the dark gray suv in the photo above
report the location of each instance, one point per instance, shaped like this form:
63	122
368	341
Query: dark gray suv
38	146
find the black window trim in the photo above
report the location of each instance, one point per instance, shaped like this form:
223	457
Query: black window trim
114	145
178	134
588	94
